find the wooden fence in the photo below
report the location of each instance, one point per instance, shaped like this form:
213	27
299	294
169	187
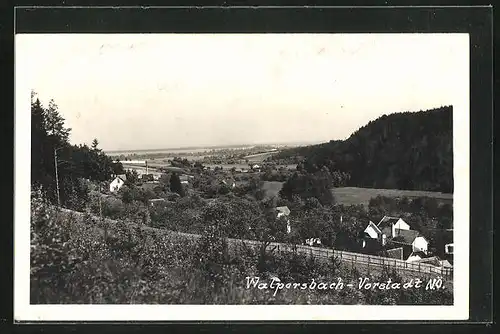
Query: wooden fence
357	259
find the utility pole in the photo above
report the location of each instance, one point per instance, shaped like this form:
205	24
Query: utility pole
57	177
100	205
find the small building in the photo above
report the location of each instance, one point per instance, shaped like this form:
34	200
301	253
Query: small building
117	183
157	201
388	226
446	264
448	249
284	211
313	242
373	232
184	179
147	177
411	242
255	168
415	256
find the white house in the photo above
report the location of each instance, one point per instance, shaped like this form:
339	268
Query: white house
373	231
448	249
388	226
184	179
420	244
313	242
411	238
284	211
117	183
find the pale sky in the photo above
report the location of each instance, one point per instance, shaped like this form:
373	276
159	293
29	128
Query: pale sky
147	91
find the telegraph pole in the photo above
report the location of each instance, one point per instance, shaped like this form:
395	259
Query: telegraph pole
100	205
57	177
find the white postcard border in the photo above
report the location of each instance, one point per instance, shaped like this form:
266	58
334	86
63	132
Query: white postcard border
23	311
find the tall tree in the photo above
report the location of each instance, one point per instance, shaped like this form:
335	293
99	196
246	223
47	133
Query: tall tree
176	185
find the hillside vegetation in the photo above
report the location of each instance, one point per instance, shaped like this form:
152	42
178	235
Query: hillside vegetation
408	150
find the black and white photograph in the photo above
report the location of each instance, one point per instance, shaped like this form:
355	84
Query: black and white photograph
242	174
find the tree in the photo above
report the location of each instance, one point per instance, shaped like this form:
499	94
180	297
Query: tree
95	143
132	177
212	249
176	185
50	147
308	185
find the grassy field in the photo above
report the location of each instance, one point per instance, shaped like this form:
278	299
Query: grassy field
259	157
272	188
353	195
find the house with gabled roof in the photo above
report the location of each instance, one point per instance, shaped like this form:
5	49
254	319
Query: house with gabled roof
117	183
388	225
373	231
411	241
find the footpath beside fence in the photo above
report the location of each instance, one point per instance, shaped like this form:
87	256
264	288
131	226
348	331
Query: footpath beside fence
320	253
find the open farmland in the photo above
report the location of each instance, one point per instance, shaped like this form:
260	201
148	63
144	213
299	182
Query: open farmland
353	195
259	157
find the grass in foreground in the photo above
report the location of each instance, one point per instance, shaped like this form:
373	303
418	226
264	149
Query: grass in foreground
72	262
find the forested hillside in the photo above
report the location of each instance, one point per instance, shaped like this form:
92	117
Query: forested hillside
408	150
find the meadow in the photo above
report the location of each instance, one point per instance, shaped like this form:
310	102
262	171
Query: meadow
353	195
356	196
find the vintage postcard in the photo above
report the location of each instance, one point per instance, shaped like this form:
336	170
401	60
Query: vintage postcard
242	177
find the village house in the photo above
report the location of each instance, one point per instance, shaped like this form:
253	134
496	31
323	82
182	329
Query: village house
385	229
284	211
373	232
184	179
388	226
313	242
416	256
147	177
229	182
448	249
411	241
393	233
117	183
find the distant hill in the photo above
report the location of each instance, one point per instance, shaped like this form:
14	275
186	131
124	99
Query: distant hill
408	150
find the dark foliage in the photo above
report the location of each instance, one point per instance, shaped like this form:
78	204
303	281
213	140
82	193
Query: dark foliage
305	185
50	147
410	150
176	185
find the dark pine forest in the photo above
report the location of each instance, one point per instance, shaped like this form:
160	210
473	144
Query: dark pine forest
408	150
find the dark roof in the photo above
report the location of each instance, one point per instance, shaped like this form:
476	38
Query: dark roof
395	253
434	260
422	255
387	221
406	236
